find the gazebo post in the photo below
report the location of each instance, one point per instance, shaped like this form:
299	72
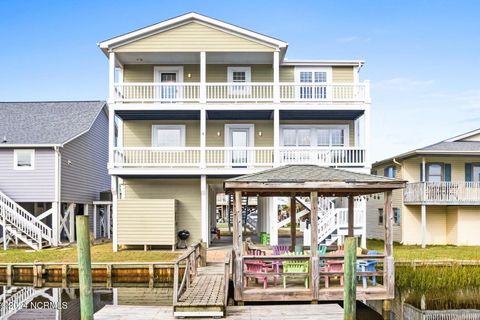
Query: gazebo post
314	263
293	223
349	289
237	245
389	267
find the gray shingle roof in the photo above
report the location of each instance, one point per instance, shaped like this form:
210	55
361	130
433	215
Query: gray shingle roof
454	146
304	173
46	123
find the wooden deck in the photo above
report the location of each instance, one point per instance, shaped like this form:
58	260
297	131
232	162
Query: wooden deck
206	295
266	312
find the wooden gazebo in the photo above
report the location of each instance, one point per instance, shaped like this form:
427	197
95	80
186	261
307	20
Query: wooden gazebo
314	181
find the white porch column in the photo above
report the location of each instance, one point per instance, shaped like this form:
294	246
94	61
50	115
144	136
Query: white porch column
424	207
272	211
94	221
363	206
203	137
204	208
203	77
111	77
366	129
276	76
114	213
111	135
276	137
71	219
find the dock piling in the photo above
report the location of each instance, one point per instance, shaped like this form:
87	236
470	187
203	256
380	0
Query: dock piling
84	268
349	291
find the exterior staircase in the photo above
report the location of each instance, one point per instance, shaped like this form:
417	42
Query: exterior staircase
249	215
332	221
15	298
19	224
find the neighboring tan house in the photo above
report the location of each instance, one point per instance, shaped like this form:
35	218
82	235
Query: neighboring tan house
441	203
53	165
195	100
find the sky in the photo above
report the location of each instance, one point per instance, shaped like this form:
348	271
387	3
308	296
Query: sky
422	57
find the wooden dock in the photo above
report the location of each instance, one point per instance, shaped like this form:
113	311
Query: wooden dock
206	294
266	312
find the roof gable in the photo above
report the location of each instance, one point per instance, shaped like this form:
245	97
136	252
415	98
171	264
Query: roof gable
176	31
46	123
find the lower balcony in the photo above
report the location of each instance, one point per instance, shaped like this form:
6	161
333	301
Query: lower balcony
233	157
442	193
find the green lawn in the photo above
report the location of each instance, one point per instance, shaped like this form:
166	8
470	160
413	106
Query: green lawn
402	252
100	253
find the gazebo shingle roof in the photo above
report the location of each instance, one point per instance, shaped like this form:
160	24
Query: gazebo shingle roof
304	173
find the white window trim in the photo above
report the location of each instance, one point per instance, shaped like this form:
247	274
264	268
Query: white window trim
157	70
313	140
247	70
32	157
328	70
155	128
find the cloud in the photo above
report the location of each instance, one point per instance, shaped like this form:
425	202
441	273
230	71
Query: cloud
350	39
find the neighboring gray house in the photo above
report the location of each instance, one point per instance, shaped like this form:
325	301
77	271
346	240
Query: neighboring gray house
53	165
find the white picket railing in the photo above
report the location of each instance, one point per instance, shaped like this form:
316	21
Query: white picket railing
158	157
239	156
328	92
442	192
329	156
18	299
157	92
249	157
23	221
240	92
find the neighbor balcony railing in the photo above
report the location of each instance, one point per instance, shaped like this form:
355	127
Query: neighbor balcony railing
466	193
233	157
153	92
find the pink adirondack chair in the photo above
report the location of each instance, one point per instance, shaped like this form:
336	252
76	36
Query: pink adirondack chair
256	267
333	266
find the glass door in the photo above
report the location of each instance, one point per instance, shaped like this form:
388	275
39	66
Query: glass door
239	138
168	92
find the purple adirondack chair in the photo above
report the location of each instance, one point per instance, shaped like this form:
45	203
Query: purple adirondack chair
279	250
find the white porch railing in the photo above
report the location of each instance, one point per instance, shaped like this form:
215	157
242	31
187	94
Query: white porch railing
329	156
442	192
233	157
358	220
158	92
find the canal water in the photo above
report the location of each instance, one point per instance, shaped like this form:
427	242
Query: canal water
423	293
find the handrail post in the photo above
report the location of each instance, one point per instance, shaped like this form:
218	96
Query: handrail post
175	282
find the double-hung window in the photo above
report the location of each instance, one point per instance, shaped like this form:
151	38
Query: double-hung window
168	136
331	137
390	171
240	76
434	172
23	159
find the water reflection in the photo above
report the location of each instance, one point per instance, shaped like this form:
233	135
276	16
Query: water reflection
21	303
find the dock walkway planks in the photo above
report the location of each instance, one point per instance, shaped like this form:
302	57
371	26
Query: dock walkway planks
264	312
205	296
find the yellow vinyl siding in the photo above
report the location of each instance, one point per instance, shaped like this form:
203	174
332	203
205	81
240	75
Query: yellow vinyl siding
146	221
193	37
468	226
342	74
186	192
287	74
475	137
144	72
412	166
436	225
350	123
265	126
138	133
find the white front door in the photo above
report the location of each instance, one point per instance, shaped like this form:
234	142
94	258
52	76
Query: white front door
239	139
166	75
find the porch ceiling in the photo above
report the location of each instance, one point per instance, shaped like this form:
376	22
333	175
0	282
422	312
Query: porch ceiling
292	180
194	57
320	114
240	115
159	114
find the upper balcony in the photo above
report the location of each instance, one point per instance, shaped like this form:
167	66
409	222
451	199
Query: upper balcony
442	193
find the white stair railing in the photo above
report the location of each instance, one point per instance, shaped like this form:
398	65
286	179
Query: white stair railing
23	221
16	301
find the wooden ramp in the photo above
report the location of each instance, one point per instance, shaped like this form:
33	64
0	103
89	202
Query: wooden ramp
205	297
265	312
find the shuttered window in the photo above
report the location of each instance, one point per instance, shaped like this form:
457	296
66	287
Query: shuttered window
472	172
390	172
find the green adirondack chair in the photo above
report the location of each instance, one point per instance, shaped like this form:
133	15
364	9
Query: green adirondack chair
295	266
